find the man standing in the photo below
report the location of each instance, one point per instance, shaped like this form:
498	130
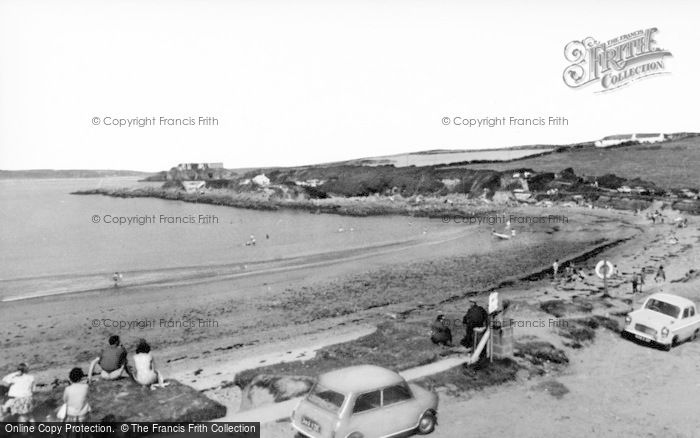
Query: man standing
635	280
555	269
475	317
112	361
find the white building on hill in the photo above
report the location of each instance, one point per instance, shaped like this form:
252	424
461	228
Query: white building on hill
612	140
261	180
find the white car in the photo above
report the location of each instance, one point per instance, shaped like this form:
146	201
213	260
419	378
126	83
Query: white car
365	401
664	319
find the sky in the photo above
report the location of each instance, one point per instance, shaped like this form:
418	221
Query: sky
301	82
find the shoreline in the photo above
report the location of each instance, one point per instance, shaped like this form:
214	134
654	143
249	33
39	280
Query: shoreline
445	206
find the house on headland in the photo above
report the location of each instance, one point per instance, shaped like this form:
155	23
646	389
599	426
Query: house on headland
200	166
261	180
613	140
193	186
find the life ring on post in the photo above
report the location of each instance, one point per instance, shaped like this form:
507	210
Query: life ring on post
608	266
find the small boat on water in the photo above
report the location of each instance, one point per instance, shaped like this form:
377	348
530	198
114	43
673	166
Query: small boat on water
504	235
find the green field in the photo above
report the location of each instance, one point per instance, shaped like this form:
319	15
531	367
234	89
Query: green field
672	164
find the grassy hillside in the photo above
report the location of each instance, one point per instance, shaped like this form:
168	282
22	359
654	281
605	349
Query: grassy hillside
673	164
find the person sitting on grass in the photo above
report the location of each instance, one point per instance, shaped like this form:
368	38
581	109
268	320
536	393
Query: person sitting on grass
20	400
145	369
112	361
440	334
75	397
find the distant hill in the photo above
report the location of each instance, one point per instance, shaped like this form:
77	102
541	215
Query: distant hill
68	173
511	154
669	164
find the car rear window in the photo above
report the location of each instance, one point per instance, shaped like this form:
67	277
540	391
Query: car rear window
326	398
663	307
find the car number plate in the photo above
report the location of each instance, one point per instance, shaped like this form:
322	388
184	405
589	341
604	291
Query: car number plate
311	424
642	338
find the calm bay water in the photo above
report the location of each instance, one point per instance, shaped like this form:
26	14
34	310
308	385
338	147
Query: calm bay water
45	231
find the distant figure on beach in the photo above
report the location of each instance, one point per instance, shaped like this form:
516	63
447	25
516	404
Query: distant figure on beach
475	317
635	283
575	272
75	397
267	236
116	277
440	334
251	241
660	274
569	272
555	269
112	361
20	395
145	372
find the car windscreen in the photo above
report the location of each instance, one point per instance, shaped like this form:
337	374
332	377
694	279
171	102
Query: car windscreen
663	307
326	398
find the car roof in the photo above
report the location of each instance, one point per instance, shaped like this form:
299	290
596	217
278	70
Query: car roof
359	378
672	299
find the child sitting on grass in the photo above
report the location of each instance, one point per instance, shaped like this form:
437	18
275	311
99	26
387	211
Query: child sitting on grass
75	397
21	393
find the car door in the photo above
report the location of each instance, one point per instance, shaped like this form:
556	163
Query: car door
687	323
399	405
694	322
366	415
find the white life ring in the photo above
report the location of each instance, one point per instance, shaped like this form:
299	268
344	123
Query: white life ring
599	268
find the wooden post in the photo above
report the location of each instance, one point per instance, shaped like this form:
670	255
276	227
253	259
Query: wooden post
605	278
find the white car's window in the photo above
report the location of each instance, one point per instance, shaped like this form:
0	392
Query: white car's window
663	307
367	401
692	311
395	394
326	398
686	312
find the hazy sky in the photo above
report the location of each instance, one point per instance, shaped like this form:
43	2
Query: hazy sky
297	82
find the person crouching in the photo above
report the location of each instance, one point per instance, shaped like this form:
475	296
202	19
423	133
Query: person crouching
440	334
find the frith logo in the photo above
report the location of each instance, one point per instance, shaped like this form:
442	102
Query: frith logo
615	63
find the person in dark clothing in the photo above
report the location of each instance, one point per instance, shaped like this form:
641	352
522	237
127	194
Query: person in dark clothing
660	274
635	282
440	334
476	317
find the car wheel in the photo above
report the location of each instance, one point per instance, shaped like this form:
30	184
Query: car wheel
675	341
427	423
695	335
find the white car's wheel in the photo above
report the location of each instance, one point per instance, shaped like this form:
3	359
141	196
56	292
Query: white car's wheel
427	423
695	334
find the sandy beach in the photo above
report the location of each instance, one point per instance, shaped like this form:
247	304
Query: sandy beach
288	310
